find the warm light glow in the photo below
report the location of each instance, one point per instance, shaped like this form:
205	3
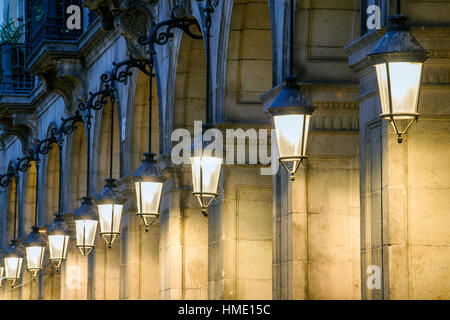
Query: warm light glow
35	257
404	80
2	272
292	135
85	235
58	248
13	267
110	216
148	196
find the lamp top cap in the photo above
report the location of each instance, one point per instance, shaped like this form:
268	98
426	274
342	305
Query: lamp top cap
109	194
148	171
291	100
12	251
87	210
398	44
35	239
58	227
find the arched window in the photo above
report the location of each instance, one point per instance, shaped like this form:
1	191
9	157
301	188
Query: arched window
52	195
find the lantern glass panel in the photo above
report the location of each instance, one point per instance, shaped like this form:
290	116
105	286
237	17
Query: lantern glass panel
35	257
85	233
209	170
110	215
148	196
58	246
13	267
404	79
292	134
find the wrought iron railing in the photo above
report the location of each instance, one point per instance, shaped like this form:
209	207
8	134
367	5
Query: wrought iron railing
13	76
48	21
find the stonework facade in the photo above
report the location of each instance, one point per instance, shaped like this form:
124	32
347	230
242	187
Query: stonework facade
360	200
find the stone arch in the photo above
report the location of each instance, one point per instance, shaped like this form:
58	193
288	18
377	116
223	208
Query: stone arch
190	81
78	177
11	208
189	103
74	273
248	71
139	262
50	179
139	134
105	259
30	198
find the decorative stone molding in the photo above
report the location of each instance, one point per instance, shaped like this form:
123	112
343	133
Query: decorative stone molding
104	9
132	19
132	24
69	81
21	131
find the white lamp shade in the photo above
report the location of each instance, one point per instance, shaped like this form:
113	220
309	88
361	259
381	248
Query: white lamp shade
58	248
2	274
148	195
205	178
86	230
13	268
110	216
206	174
399	87
292	135
35	258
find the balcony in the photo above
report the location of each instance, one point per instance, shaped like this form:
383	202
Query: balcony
13	77
47	20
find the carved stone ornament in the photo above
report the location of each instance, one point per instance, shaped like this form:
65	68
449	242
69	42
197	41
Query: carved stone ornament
133	24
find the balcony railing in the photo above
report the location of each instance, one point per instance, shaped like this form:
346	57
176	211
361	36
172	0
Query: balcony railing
48	21
13	77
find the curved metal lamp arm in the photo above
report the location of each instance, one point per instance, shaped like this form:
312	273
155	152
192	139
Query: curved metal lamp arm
122	70
162	32
97	100
68	125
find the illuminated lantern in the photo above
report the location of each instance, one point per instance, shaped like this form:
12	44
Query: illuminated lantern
398	59
291	113
13	260
110	205
35	248
58	241
149	185
86	225
205	169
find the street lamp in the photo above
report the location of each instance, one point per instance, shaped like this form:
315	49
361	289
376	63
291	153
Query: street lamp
398	59
35	247
291	112
13	259
86	225
110	205
2	271
205	167
35	244
148	180
58	240
149	185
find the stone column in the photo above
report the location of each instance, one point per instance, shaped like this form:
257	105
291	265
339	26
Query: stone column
139	255
405	187
74	271
240	235
183	239
316	216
